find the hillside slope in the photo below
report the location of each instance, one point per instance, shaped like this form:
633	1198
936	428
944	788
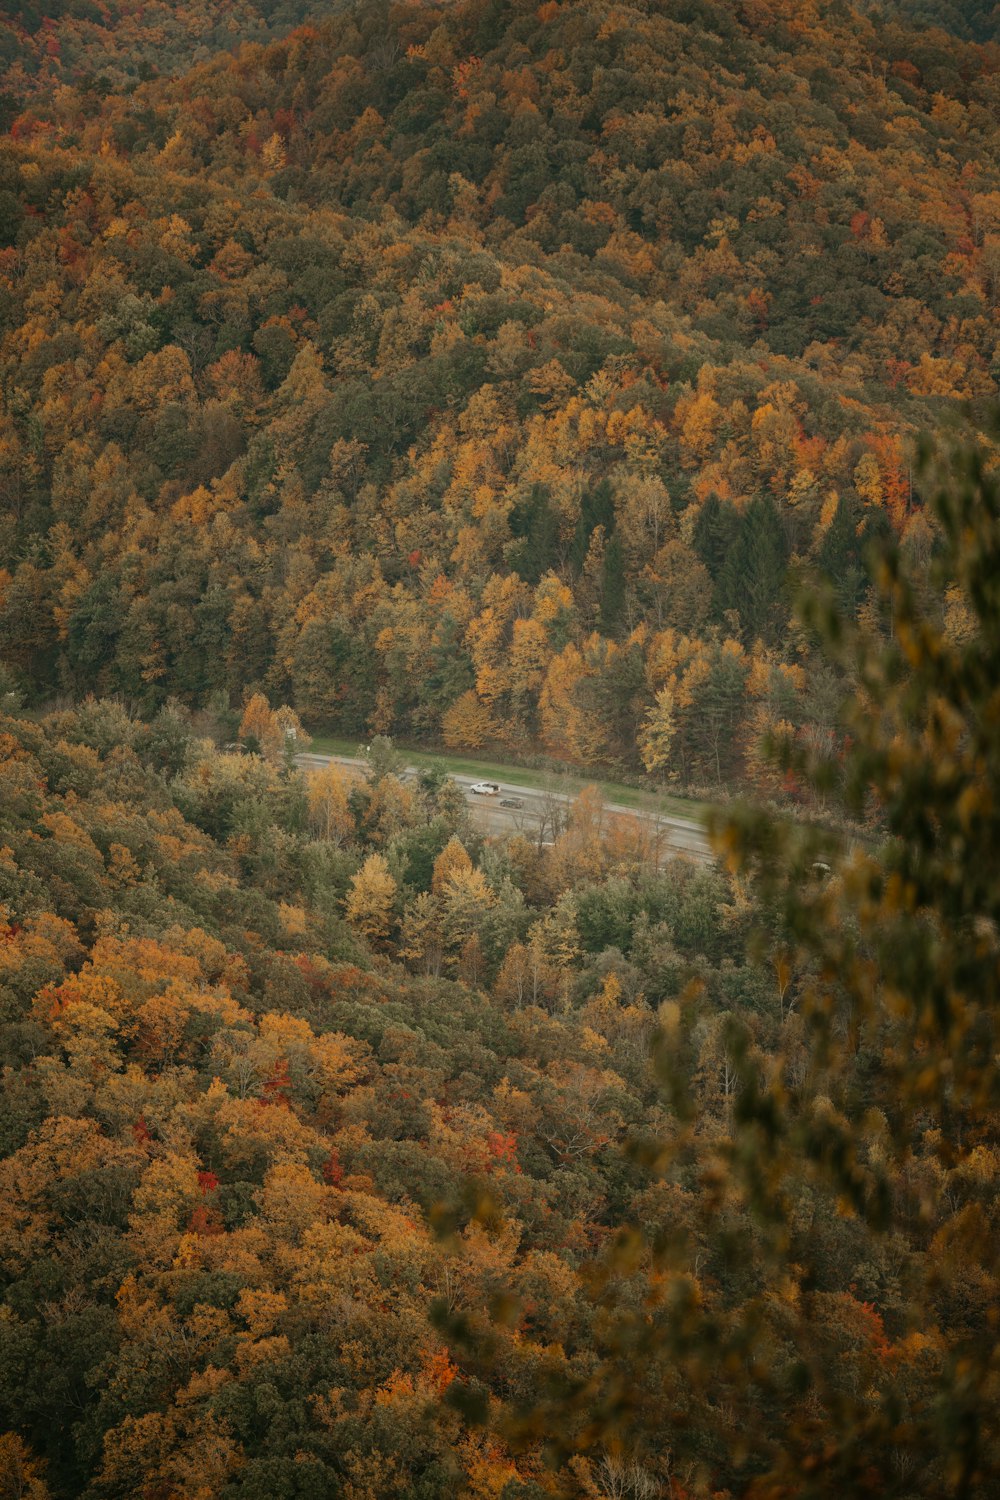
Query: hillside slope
246	1070
338	1157
490	372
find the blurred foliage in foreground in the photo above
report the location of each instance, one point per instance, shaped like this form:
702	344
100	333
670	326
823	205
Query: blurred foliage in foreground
850	1191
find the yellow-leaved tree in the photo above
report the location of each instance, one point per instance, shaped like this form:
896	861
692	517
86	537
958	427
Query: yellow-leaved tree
657	734
370	902
330	815
275	733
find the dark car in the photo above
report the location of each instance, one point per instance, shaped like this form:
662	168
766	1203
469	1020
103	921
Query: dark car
511	802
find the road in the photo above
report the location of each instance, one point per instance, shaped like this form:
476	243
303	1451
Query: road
544	810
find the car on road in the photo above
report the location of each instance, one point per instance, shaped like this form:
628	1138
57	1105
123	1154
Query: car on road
484	788
511	802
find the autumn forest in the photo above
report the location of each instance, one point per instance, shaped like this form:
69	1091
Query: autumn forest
608	392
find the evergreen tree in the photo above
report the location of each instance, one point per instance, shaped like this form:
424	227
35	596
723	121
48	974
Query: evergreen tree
714	533
596	510
839	557
536	527
753	580
92	636
613	590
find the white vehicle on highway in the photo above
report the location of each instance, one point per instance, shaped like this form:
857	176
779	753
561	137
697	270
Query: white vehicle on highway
484	788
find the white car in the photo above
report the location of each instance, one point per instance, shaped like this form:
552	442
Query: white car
484	788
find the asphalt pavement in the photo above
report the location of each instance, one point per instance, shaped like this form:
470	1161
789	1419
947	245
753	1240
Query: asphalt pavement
544	809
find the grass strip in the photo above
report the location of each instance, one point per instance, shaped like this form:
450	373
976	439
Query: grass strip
566	782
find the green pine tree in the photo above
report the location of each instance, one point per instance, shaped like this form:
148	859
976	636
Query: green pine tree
596	510
613	590
714	533
537	530
839	557
753	581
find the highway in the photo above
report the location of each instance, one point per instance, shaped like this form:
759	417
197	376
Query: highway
544	810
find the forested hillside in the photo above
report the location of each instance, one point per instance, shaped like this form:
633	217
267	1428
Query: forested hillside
550	381
225	1121
971	19
345	1155
490	373
103	48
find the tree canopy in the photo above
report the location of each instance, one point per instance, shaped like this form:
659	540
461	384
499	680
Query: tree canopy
437	372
